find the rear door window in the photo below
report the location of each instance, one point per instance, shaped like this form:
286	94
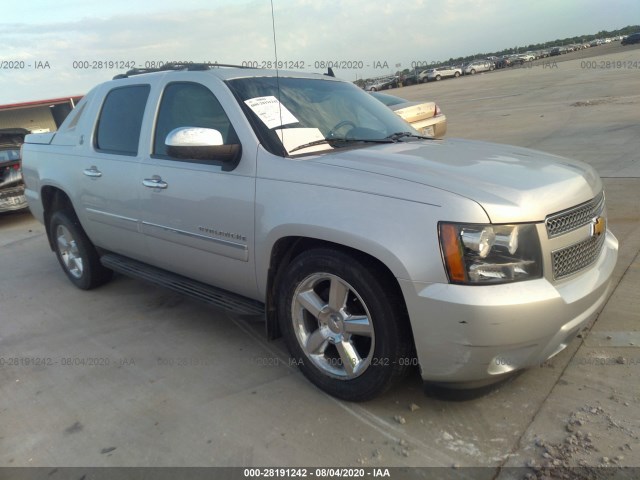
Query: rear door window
120	121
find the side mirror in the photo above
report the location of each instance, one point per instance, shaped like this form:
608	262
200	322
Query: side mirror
195	143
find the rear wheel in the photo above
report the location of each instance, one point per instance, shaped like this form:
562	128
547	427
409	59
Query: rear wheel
75	252
438	77
344	325
457	74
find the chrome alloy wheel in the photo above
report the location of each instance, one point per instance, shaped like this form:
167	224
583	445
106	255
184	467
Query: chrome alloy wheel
333	326
69	252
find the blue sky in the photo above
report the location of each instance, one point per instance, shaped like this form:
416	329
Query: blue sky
373	32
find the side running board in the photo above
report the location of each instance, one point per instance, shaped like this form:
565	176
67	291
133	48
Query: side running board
218	297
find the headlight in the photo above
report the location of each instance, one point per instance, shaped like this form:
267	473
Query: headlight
489	254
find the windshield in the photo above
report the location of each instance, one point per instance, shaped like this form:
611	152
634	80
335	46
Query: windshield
302	111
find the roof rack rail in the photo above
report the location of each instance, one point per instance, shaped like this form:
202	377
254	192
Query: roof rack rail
177	66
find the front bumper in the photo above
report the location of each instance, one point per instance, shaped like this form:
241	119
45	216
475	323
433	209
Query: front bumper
471	334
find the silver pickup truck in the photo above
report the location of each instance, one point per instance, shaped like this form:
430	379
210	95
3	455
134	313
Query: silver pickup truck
299	197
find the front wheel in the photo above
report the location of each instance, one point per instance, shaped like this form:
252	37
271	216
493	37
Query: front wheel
345	327
457	74
75	252
473	72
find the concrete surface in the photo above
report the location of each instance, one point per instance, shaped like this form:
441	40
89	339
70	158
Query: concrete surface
133	375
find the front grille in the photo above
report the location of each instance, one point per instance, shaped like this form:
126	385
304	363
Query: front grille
580	255
575	217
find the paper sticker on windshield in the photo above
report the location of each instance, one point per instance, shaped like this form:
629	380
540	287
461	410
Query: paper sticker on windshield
271	111
293	138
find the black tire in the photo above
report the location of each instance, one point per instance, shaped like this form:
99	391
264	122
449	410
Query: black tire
75	252
438	78
473	72
457	74
381	349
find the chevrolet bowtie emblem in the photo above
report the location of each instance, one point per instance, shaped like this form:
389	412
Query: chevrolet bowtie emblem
598	226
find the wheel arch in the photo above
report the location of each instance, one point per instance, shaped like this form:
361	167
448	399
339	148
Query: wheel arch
286	249
53	200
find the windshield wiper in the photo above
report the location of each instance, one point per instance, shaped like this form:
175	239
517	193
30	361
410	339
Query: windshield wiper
395	137
331	140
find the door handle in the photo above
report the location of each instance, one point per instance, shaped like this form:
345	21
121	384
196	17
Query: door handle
92	172
154	182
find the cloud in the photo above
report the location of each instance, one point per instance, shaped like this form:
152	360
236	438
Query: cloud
364	32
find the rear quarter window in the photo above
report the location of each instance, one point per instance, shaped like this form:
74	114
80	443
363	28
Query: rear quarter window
120	121
73	118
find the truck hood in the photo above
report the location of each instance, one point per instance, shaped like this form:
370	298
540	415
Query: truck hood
512	184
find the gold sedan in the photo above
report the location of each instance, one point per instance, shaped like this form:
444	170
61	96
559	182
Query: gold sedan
426	117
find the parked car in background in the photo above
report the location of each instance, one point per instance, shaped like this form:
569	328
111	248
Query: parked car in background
631	39
409	79
501	62
426	117
384	84
478	66
515	60
555	51
11	184
527	57
422	76
437	74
